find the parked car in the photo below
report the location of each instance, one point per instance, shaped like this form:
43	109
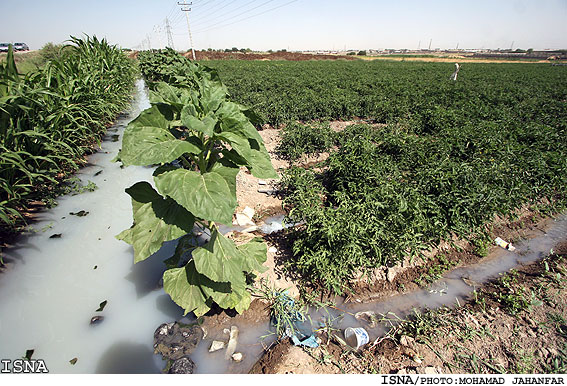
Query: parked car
4	47
21	47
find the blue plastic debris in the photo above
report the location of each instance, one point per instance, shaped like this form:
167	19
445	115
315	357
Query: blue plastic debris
309	342
299	334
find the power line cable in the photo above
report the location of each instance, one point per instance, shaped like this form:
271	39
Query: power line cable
206	18
212	27
239	14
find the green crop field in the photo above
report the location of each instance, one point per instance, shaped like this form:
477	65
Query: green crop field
51	116
447	157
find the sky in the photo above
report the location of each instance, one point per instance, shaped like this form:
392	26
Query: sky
293	24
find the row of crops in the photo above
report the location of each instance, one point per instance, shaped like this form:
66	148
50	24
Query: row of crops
51	117
445	158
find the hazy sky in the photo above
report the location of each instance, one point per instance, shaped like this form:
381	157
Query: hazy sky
294	25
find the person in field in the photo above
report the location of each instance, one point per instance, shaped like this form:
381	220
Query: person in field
454	76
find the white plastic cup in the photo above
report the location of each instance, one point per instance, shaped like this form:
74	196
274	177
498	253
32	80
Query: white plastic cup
356	337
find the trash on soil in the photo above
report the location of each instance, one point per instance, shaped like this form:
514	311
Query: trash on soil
356	337
231	347
216	345
243	220
237	357
504	244
250	229
248	212
273	250
293	321
311	341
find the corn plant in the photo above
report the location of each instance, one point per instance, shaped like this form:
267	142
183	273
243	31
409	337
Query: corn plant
51	117
200	140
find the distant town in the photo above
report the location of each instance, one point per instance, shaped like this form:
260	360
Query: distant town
469	52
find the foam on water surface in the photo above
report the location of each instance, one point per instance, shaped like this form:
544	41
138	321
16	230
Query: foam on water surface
50	295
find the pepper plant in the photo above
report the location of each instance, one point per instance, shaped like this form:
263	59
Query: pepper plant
199	140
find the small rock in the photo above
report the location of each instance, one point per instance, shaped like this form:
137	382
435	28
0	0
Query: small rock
262	182
226	331
392	273
531	333
430	370
273	250
174	341
205	332
237	357
97	320
182	366
417	359
406	340
402	371
216	345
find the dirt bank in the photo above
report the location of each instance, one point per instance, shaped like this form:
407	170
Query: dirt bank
515	324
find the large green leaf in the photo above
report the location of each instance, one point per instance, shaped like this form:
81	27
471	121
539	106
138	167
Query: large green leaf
207	196
156	220
184	287
257	158
205	125
212	94
236	296
219	259
228	171
237	130
165	93
195	292
148	141
255	252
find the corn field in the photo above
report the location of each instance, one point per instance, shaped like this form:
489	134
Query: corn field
50	118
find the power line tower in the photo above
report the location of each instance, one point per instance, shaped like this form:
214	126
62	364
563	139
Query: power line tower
168	32
187	10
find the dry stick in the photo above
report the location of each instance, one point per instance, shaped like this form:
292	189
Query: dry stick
338	309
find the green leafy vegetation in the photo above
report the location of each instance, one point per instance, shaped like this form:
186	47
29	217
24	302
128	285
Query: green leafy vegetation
446	158
199	140
51	117
299	139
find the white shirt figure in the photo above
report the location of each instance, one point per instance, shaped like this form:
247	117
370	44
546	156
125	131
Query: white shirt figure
454	76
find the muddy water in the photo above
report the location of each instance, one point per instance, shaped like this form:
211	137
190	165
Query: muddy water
53	290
